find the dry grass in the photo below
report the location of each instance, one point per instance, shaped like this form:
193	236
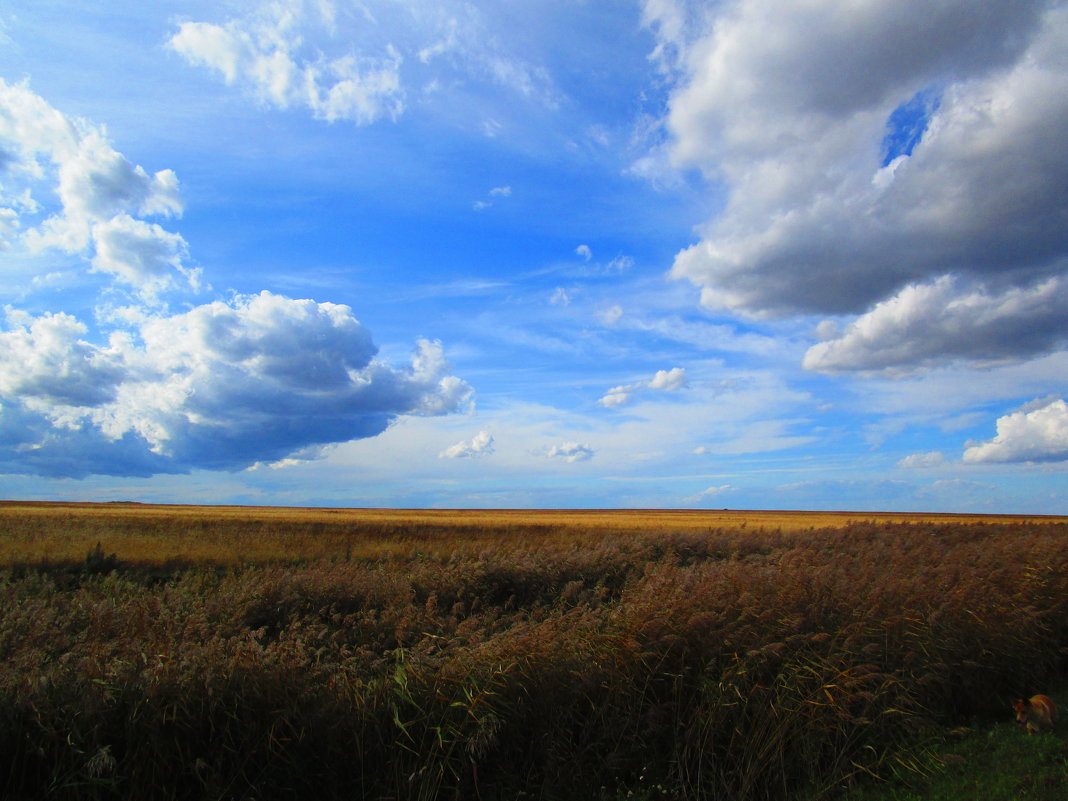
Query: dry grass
277	653
40	532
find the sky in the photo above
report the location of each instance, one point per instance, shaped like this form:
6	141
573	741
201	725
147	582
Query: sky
747	254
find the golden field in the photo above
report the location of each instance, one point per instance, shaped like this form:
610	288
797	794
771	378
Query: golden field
156	534
174	652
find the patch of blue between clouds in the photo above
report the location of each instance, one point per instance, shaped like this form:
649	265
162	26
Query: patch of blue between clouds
907	123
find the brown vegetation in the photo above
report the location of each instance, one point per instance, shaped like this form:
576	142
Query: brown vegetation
201	653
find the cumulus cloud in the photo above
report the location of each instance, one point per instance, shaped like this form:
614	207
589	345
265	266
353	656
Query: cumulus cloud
479	445
1037	432
66	188
45	361
142	255
945	320
570	452
876	149
256	379
617	396
664	381
263	54
225	385
669	380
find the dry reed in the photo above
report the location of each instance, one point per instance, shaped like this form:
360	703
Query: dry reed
427	662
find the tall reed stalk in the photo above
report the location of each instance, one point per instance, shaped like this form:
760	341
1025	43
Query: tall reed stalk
692	665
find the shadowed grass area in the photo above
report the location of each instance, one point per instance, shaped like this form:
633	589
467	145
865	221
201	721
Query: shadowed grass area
994	763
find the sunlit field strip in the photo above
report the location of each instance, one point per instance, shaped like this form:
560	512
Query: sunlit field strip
43	532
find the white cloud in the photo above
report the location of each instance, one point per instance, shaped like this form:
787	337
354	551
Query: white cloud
224	385
141	254
708	336
357	62
299	457
462	35
677	24
46	362
1038	432
664	381
791	106
619	264
263	53
946	320
479	445
560	297
669	380
756	436
9	225
570	452
584	251
497	191
617	396
611	315
922	461
66	188
712	491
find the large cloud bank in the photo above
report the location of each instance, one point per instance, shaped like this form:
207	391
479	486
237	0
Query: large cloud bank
224	384
903	161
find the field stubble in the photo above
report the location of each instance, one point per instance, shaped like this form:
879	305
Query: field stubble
249	653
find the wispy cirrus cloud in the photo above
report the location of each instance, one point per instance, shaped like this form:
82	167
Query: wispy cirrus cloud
923	461
496	192
264	53
359	64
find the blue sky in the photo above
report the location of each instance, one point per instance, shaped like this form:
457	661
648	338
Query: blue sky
743	254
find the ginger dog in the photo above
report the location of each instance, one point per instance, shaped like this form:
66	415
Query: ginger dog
1036	714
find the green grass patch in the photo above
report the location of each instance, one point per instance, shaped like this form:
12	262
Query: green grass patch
992	763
